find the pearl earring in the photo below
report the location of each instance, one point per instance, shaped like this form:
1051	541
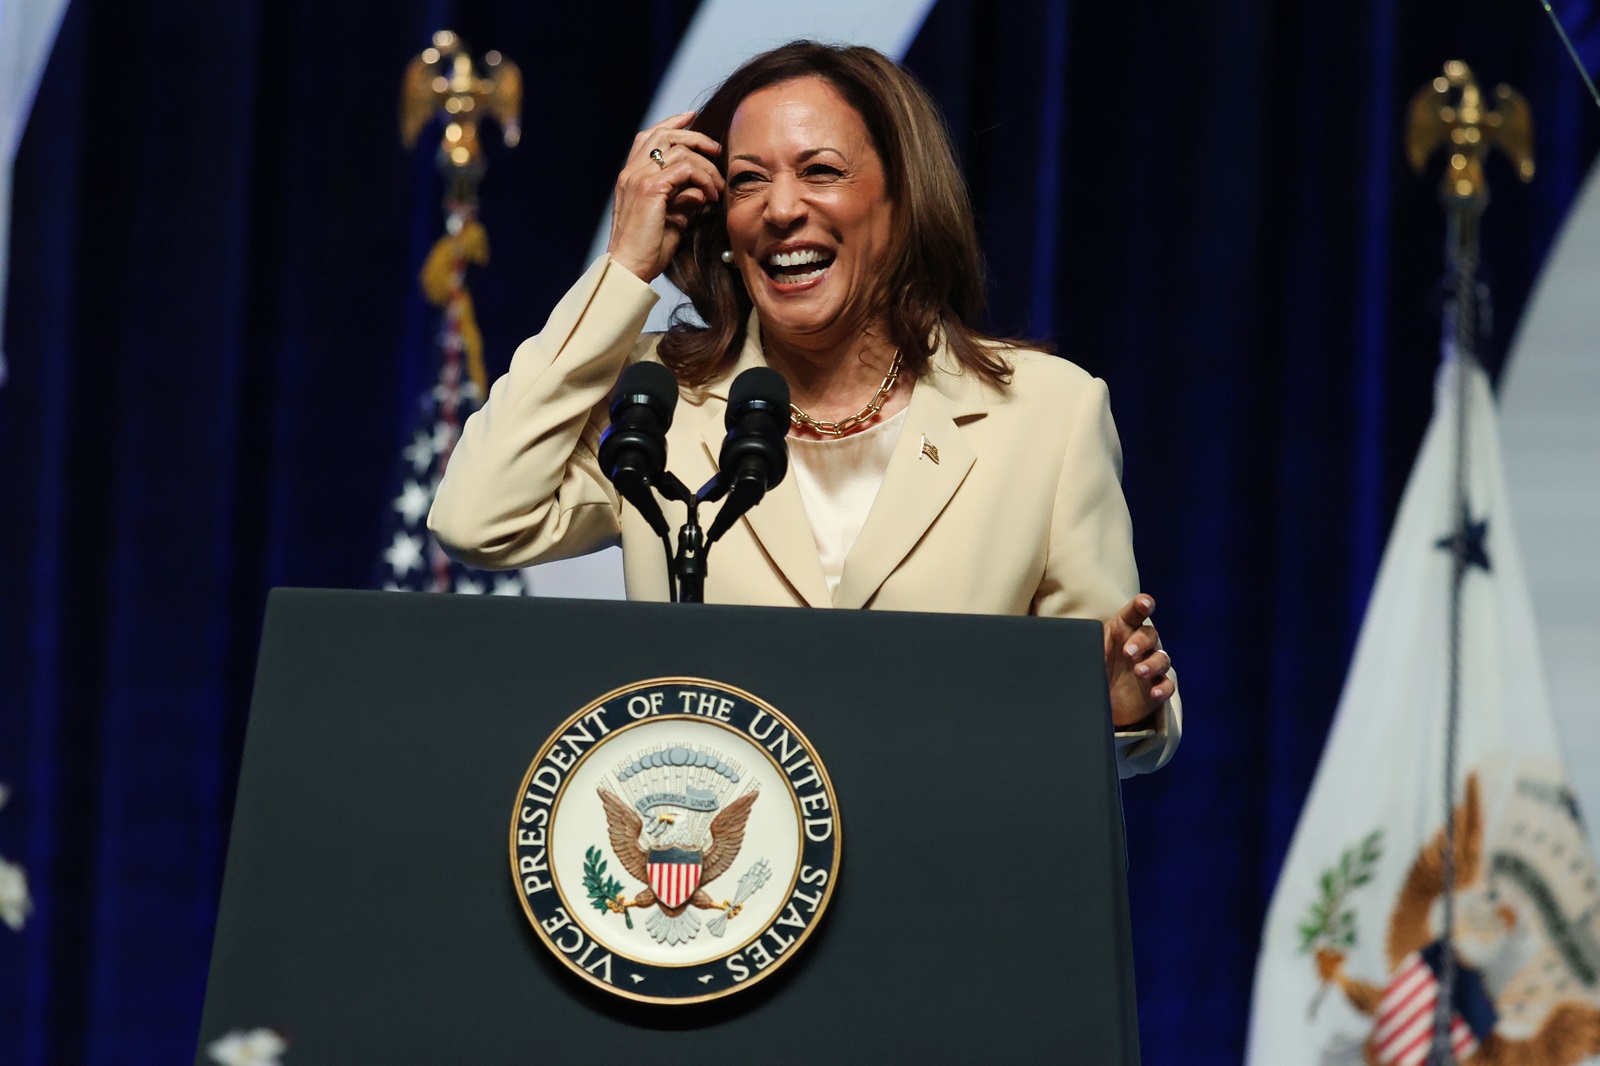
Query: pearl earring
727	255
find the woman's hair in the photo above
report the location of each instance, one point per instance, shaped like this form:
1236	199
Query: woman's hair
934	283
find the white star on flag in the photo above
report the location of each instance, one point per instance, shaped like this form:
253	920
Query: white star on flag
413	502
466	390
444	437
468	587
508	585
405	554
420	453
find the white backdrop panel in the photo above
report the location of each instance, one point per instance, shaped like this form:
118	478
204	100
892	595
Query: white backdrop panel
1550	427
27	30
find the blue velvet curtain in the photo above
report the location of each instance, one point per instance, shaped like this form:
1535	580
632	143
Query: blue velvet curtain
216	349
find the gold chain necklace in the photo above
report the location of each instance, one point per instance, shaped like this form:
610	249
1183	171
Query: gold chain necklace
866	414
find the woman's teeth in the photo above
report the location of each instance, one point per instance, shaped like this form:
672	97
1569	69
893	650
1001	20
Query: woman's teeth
790	267
795	258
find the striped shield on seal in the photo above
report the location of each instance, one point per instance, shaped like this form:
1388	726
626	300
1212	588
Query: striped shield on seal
674	875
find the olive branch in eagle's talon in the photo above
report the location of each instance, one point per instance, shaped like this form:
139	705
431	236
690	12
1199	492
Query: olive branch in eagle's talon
619	905
1329	929
604	892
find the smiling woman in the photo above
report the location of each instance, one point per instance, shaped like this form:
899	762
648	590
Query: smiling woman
823	139
813	213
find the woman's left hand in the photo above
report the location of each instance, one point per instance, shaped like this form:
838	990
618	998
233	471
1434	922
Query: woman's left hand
1136	667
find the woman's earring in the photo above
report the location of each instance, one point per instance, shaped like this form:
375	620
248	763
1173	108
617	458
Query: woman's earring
727	255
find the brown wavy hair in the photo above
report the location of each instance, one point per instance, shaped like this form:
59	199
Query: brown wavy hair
935	279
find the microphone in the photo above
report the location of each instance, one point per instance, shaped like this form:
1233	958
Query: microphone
754	456
633	449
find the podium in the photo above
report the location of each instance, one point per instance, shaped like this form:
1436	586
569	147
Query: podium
369	913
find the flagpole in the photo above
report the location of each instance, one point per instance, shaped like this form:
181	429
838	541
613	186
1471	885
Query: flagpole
1450	112
1462	259
446	86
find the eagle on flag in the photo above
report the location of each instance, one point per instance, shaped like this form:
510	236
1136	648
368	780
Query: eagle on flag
1402	1008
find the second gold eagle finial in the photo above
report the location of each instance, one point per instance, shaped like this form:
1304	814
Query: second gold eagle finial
1451	112
445	80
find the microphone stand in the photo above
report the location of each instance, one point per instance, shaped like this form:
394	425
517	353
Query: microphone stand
688	570
753	460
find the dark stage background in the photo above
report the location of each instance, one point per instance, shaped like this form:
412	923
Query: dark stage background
216	347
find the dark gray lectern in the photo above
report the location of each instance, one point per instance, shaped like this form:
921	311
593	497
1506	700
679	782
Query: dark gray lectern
368	912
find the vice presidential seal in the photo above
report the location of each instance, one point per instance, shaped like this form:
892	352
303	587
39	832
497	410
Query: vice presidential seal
675	841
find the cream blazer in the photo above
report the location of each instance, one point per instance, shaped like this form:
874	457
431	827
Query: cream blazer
1021	513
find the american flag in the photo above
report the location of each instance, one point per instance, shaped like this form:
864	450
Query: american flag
412	560
1403	1035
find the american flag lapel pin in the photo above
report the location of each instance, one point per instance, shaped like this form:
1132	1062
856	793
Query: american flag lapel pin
929	450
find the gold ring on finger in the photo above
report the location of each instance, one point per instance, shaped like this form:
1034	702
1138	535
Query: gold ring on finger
661	160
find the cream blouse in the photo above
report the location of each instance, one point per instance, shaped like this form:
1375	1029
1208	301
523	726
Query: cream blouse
838	479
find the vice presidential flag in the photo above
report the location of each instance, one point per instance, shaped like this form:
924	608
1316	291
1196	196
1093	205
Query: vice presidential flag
1349	961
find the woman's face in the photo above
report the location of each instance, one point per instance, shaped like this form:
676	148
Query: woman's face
808	212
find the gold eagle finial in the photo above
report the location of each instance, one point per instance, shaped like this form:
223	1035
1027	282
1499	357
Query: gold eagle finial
1451	112
445	80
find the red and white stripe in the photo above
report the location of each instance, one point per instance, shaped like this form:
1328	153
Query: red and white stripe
1404	1030
674	882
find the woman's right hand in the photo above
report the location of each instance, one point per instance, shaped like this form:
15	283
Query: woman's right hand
655	200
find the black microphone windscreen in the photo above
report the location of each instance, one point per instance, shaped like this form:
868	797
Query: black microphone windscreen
652	384
758	383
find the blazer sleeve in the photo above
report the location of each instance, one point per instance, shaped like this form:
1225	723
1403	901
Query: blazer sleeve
523	484
1089	568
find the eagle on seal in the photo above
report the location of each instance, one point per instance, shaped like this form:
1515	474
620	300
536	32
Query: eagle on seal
674	922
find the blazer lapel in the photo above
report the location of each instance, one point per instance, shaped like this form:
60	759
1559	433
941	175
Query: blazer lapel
915	487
